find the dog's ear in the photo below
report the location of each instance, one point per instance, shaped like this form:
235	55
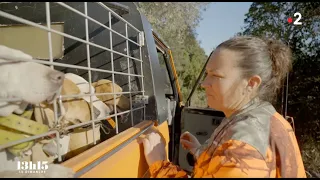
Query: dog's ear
7	53
124	102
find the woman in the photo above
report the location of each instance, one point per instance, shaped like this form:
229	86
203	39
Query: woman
243	77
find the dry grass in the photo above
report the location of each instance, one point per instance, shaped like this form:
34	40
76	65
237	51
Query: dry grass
310	151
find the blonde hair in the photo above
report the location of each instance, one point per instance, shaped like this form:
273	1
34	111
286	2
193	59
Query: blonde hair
268	58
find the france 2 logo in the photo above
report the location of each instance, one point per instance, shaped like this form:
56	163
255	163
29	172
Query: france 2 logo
297	20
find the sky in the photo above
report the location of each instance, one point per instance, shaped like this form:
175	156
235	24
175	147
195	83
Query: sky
221	21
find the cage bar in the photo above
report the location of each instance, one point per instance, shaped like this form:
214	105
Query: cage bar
93	120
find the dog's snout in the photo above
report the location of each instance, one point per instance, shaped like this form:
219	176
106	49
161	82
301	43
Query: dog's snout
56	77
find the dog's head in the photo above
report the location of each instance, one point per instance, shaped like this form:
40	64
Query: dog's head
28	81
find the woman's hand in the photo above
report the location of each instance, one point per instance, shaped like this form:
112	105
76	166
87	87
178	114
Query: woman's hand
154	148
189	142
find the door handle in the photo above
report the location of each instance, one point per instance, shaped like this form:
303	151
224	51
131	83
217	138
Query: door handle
216	121
201	133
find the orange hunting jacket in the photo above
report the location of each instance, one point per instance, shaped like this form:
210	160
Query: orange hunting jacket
255	142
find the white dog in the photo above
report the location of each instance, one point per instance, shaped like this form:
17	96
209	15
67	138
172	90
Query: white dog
29	82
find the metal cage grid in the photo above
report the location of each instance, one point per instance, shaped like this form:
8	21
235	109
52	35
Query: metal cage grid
52	64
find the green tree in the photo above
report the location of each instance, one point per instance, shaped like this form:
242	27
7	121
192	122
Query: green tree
175	22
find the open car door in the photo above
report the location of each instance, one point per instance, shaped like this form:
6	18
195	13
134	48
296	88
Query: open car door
199	121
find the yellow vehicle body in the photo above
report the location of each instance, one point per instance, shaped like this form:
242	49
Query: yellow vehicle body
129	161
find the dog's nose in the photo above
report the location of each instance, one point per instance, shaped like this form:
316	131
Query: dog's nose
56	77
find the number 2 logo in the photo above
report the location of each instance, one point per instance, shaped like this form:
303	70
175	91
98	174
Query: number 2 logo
297	21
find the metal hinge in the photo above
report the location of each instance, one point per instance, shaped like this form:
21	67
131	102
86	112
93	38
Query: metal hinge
141	99
141	38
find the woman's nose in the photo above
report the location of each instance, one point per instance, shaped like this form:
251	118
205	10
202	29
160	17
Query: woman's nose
204	83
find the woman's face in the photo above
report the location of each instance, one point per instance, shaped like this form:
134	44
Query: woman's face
225	88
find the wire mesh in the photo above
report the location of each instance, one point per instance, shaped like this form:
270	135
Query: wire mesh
89	45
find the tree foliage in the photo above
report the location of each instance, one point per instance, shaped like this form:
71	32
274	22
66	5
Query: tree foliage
175	22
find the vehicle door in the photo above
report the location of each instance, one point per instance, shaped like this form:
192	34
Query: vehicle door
198	119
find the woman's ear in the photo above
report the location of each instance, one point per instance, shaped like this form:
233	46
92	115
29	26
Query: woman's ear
254	83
